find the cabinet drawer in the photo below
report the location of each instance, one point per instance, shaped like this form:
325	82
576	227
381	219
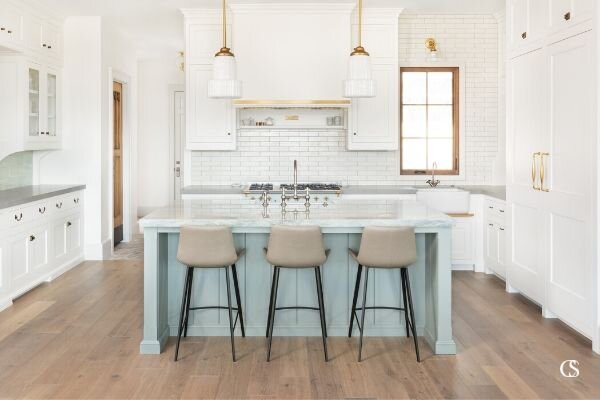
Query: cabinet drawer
19	216
495	211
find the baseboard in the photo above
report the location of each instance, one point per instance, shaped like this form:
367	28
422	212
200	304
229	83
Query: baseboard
64	268
5	303
98	251
459	267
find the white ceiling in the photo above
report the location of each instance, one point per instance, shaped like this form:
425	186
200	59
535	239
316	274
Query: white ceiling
156	26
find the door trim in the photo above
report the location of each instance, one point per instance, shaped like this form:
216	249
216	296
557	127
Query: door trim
126	155
186	155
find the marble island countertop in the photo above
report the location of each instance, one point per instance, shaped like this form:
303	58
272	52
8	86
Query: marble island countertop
15	196
344	213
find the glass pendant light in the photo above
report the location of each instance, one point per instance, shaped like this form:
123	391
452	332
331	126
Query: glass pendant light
224	83
360	81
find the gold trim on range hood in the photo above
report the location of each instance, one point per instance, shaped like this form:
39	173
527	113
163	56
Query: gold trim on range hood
292	103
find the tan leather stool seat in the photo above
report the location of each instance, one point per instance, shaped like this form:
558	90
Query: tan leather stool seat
296	247
207	247
386	247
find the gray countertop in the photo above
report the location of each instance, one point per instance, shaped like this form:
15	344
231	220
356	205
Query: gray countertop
26	194
498	192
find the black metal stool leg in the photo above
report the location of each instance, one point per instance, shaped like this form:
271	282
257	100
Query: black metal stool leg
230	314
355	298
405	300
188	302
364	309
270	303
321	310
236	286
412	315
273	310
322	300
183	301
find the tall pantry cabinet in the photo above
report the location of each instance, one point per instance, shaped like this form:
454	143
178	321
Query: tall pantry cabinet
551	151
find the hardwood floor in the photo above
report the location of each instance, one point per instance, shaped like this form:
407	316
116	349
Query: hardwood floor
78	337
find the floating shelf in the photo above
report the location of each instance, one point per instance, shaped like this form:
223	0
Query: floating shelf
292	118
247	103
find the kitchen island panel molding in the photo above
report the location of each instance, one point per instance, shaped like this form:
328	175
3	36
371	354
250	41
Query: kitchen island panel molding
430	277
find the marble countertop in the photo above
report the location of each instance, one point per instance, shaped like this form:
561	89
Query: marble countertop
345	213
498	192
26	194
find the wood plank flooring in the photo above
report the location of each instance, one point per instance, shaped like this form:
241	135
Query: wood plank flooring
78	337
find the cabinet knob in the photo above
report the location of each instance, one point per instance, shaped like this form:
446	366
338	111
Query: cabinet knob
491	224
2	28
228	133
354	133
9	32
491	208
31	238
567	16
501	229
524	35
18	217
69	224
44	45
501	211
49	46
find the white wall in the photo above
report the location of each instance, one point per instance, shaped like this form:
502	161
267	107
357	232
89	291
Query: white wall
468	41
92	52
154	79
80	159
119	63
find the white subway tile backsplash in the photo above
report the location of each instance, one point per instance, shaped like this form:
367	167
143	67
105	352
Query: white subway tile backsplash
472	41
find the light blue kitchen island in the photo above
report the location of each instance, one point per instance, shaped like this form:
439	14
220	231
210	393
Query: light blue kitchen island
341	222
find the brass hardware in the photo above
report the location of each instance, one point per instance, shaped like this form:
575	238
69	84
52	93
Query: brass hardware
292	117
543	172
291	102
568	16
534	171
431	44
224	51
359	50
524	35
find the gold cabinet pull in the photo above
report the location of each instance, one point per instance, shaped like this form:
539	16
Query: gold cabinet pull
534	171
543	172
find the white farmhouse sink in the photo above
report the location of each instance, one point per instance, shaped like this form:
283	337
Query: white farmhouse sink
446	200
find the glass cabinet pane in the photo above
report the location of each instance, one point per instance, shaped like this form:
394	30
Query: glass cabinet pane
34	102
51	111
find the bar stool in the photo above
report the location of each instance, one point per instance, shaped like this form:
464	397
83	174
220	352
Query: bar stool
208	247
385	248
294	247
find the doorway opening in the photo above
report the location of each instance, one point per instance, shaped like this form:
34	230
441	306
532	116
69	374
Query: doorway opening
117	163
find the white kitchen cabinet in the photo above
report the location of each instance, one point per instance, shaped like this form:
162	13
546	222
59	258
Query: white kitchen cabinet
527	24
551	152
374	121
495	237
526	126
567	197
38	241
564	14
463	240
30	106
210	122
10	26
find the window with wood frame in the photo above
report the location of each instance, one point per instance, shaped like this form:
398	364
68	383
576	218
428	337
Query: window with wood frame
429	128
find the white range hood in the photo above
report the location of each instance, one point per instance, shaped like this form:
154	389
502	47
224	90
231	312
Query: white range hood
292	51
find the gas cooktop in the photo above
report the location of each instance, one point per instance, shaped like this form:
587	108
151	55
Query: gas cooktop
313	187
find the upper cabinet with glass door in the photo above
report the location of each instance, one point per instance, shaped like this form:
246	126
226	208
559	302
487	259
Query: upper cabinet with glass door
43	130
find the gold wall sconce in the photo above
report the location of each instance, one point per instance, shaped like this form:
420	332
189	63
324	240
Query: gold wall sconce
431	45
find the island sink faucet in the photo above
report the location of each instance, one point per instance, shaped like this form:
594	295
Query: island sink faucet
433	182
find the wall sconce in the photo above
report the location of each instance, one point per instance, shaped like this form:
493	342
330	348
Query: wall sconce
431	45
181	61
